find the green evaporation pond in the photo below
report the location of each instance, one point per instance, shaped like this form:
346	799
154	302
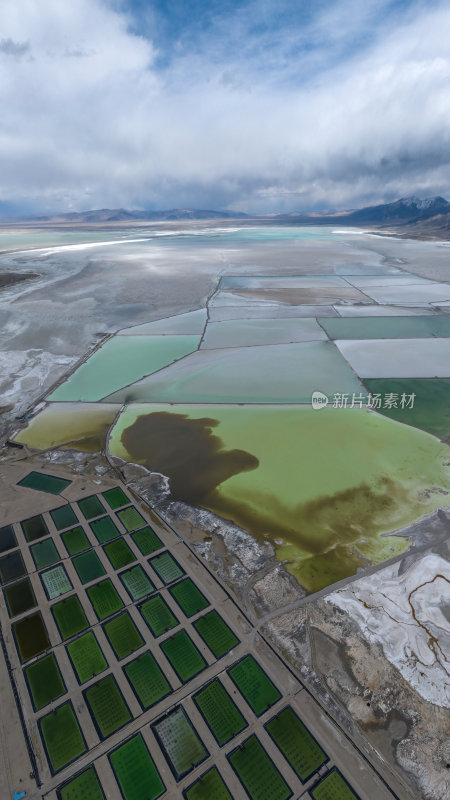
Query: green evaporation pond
44	553
109	710
44	681
123	635
62	736
431	404
70	617
184	656
35	528
189	597
166	567
148	681
147	540
119	553
7	538
63	517
333	787
91	507
88	566
221	714
121	361
257	772
87	657
56	582
12	567
216	633
414	327
135	771
105	598
131	519
75	541
116	498
104	529
253	683
84	787
31	636
136	582
44	483
180	742
299	748
209	786
158	615
20	597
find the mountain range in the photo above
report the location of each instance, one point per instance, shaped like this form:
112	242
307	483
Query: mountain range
411	216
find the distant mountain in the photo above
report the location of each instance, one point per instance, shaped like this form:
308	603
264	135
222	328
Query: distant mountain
405	210
123	215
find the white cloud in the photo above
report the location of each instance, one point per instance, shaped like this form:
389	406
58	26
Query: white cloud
89	120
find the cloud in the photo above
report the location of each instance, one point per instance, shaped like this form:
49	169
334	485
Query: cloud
10	48
259	106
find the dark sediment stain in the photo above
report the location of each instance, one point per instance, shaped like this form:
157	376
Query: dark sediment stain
187	452
330	534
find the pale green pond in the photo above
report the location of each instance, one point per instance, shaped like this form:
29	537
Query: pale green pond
247	332
120	361
285	373
320	485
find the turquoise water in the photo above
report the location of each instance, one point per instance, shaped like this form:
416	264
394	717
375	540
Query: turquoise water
121	361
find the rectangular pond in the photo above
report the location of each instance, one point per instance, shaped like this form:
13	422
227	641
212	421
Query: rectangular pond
219	711
108	709
62	736
183	655
257	772
69	616
135	771
88	566
86	657
136	582
180	743
298	746
254	685
158	615
216	633
189	597
147	680
123	635
105	598
45	682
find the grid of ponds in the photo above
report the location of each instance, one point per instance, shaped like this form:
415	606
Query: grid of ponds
181	743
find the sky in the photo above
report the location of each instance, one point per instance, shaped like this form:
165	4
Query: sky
258	106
